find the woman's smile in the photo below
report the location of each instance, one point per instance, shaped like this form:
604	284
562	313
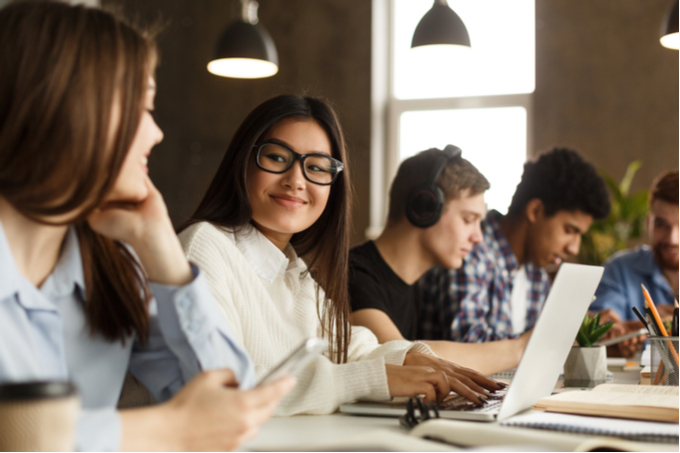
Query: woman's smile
288	201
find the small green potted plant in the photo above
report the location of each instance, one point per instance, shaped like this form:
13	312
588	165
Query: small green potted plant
586	364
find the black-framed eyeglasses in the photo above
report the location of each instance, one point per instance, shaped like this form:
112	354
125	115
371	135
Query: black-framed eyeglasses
278	158
418	411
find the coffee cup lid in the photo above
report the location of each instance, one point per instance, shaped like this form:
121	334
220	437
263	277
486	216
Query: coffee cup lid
15	391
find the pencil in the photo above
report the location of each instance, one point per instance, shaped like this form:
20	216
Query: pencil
655	313
657	319
659	374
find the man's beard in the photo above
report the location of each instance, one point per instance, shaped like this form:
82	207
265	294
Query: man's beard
665	262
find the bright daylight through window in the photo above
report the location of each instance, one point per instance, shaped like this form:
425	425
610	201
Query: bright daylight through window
477	99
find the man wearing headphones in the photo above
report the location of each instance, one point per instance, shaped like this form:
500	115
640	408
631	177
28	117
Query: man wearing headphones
500	290
436	205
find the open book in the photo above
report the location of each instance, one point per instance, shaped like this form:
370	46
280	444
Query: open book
641	402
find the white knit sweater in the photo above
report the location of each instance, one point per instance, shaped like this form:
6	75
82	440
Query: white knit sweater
270	302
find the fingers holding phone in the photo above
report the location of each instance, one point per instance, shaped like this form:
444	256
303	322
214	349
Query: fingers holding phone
626	340
211	413
260	402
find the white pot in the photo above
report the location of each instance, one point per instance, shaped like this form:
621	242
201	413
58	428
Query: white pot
585	367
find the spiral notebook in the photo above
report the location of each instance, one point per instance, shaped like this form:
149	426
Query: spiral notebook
598	426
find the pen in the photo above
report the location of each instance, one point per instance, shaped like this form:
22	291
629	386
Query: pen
641	318
654	329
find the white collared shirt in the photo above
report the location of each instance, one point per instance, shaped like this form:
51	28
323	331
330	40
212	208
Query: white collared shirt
266	259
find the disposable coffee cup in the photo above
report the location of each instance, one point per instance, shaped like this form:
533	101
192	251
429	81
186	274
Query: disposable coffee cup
38	416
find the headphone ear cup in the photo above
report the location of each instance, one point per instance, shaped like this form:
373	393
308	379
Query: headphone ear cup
424	206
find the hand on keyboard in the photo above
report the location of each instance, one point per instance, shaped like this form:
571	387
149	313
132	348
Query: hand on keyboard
467	383
456	402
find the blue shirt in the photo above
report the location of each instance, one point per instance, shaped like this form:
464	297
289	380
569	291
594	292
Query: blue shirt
473	304
620	288
44	335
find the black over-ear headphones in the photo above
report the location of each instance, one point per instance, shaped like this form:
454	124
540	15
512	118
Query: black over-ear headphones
425	202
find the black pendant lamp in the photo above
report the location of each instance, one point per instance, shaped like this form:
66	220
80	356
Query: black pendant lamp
441	26
245	50
669	28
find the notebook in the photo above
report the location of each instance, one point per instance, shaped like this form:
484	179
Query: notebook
598	426
543	358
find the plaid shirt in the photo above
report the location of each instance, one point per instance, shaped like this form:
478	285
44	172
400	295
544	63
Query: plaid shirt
472	304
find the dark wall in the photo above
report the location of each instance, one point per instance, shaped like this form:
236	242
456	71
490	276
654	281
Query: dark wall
324	50
604	84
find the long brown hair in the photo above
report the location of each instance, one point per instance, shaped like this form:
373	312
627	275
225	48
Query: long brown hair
63	69
325	244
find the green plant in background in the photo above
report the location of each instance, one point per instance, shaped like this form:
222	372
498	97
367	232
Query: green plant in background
625	223
591	330
668	324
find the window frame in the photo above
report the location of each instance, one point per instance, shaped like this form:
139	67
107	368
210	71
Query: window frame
386	111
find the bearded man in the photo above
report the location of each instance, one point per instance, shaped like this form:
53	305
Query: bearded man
654	265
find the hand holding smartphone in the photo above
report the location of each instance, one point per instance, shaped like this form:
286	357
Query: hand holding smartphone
296	361
621	338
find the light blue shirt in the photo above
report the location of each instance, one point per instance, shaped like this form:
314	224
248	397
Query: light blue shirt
620	288
44	335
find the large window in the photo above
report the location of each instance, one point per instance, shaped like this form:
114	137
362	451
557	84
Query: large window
479	101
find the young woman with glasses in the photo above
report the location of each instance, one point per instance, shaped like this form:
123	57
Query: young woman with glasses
93	280
282	194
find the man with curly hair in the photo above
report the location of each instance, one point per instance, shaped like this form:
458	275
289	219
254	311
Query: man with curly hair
499	291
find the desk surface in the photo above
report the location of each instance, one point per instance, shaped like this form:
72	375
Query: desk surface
342	432
338	431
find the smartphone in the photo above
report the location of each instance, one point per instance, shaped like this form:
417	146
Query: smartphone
624	337
297	360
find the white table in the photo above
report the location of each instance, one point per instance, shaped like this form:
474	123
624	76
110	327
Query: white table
342	432
338	431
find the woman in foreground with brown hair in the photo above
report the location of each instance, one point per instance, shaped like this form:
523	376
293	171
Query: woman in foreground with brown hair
93	280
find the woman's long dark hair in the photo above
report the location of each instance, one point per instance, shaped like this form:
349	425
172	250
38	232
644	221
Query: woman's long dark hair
325	244
63	69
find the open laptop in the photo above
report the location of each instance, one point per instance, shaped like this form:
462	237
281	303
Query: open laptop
543	359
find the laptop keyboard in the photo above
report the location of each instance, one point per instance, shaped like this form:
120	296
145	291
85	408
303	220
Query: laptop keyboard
456	402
